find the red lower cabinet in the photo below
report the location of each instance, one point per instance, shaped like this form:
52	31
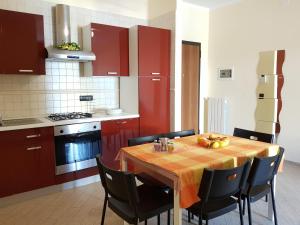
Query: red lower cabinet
115	135
27	160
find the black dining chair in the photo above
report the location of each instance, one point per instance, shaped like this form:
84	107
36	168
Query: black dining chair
143	140
253	135
183	133
132	203
260	181
216	192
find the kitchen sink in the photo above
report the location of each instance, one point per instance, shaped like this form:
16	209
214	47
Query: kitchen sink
17	122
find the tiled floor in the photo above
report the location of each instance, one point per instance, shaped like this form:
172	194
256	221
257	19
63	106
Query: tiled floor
83	206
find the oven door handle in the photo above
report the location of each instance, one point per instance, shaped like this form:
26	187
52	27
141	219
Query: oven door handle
81	135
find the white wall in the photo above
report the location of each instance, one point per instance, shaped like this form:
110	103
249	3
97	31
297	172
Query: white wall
195	28
158	8
132	8
237	34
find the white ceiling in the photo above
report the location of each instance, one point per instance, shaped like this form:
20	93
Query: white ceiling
211	3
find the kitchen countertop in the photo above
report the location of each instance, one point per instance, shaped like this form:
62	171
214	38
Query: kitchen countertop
48	123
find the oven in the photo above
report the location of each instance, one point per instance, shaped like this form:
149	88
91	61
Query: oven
76	146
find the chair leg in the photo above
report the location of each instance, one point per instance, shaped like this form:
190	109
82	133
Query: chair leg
200	220
273	203
189	216
244	206
158	219
266	199
145	222
169	217
206	221
249	211
104	211
240	211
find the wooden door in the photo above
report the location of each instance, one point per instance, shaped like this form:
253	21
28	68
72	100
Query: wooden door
154	51
154	105
191	53
22	43
111	46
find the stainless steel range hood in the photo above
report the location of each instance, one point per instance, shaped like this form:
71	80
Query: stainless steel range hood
63	35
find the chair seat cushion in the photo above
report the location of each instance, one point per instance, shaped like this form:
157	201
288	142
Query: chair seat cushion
214	208
152	202
257	192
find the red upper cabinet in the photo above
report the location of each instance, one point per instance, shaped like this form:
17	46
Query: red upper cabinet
22	43
111	47
153	51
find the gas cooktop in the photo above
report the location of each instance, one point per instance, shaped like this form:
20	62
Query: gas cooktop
69	116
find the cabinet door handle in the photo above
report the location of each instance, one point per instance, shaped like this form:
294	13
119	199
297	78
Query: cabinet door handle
156	79
34	148
25	71
123	122
112	73
33	136
155	73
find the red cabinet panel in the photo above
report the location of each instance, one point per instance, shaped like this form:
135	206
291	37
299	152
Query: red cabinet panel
154	105
153	51
22	43
110	138
29	160
115	135
111	46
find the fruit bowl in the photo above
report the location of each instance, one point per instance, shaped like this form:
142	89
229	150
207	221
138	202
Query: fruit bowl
213	141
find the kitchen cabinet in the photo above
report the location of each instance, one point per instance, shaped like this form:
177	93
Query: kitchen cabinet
153	51
154	105
111	47
21	43
115	135
27	160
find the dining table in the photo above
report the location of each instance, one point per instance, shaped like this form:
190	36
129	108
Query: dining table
182	168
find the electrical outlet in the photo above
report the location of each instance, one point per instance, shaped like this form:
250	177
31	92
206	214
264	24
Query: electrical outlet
86	98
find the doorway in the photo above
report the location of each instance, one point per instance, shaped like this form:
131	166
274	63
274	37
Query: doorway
190	85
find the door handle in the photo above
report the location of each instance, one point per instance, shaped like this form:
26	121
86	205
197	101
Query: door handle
33	136
155	79
34	148
112	73
155	73
25	71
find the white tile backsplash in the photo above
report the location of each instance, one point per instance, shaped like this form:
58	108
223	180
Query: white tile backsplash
57	91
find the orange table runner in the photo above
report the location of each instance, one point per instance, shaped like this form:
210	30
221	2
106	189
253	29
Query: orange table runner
186	163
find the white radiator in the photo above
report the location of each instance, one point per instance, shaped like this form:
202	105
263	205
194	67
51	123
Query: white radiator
217	115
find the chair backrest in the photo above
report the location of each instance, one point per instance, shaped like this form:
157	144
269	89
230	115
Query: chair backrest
253	135
263	169
183	133
220	184
119	185
143	140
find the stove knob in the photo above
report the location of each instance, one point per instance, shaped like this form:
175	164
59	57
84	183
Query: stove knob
61	131
95	127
